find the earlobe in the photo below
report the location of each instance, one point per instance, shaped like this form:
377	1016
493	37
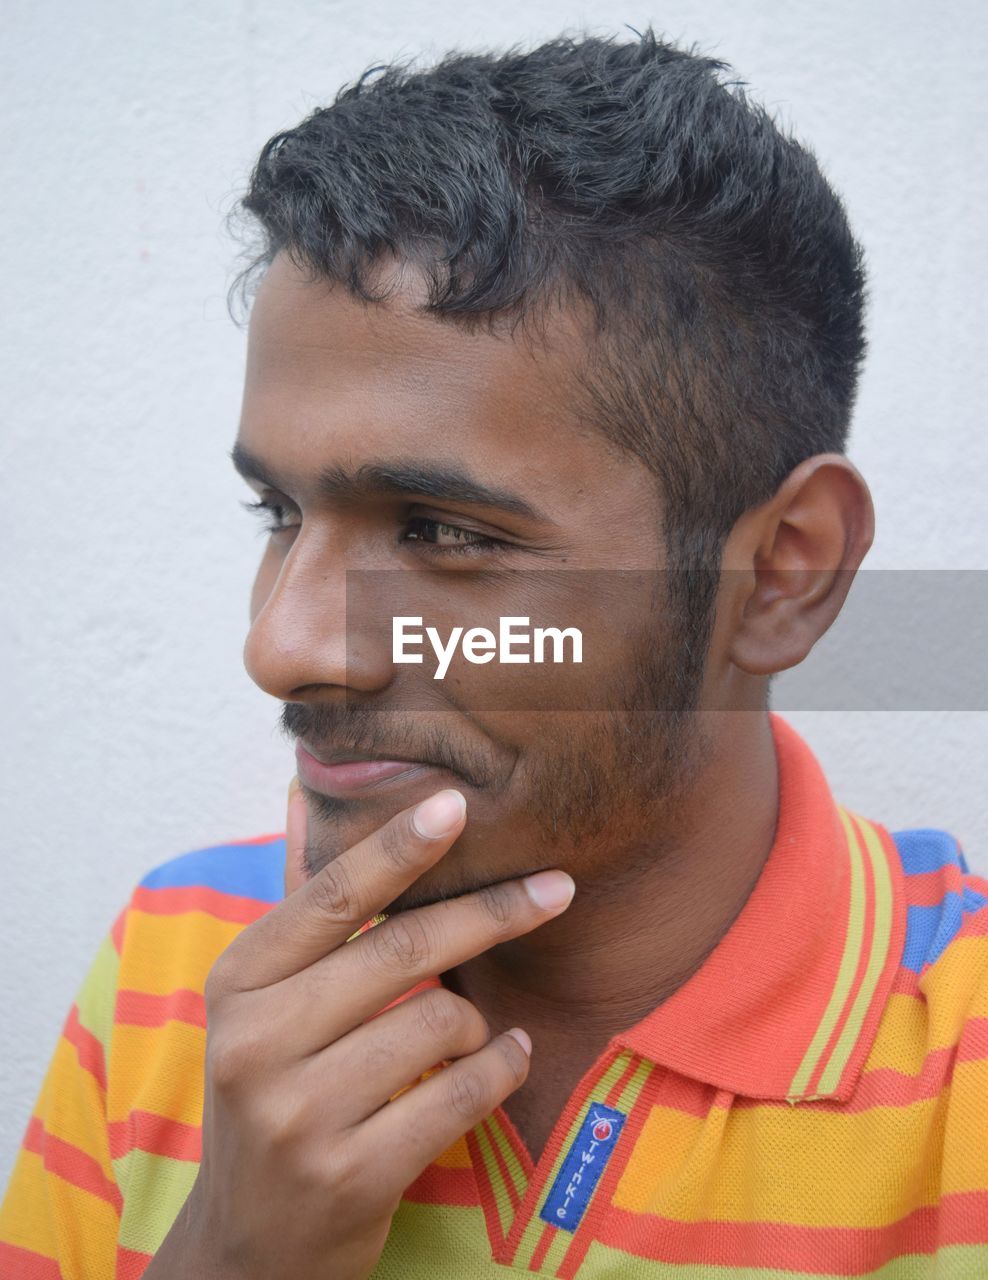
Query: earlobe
800	552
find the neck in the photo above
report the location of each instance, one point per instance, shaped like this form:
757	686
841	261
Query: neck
622	948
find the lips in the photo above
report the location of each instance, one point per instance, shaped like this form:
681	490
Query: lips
343	773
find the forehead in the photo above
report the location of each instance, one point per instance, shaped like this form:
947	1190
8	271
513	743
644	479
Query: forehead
321	361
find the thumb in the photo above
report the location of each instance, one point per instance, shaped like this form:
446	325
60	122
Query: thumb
296	829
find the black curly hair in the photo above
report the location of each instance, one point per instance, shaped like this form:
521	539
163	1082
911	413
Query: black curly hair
724	289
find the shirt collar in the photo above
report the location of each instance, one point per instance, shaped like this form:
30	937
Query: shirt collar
787	1004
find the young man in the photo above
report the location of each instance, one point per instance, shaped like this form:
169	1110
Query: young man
569	336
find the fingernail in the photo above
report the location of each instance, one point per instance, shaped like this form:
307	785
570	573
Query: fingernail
293	786
438	815
550	890
516	1033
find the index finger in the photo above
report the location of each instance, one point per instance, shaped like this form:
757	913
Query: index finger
322	913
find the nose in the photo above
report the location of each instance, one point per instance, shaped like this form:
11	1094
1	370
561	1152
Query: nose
305	633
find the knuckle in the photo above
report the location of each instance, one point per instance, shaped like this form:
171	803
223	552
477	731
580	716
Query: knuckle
440	1014
400	943
332	894
467	1093
496	901
395	845
230	1059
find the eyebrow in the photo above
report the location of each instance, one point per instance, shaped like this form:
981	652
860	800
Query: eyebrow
427	480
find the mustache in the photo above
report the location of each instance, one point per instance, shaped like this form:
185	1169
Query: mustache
378	731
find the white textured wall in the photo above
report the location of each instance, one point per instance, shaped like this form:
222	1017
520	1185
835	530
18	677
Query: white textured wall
131	732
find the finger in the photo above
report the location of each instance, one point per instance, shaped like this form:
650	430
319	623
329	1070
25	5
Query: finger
296	830
321	914
419	1126
390	1053
340	991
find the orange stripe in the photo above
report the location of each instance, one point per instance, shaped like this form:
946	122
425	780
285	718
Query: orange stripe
89	1050
197	897
142	1009
71	1163
959	1219
157	1135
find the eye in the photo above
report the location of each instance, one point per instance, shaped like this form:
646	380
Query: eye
449	539
275	509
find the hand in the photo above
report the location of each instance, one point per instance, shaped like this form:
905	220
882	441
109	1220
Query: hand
304	1153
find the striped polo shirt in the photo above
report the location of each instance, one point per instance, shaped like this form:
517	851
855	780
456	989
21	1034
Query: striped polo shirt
813	1101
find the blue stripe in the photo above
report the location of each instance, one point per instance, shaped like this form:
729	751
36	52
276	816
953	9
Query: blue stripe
925	849
929	930
244	870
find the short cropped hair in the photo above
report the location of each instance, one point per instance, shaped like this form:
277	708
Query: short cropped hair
722	286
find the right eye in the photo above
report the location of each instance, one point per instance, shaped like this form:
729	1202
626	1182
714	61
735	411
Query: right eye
274	509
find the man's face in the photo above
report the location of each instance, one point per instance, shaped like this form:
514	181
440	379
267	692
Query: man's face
437	440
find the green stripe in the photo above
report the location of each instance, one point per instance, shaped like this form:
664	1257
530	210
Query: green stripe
848	967
628	1097
880	940
97	996
505	1212
950	1262
154	1189
533	1232
431	1242
515	1170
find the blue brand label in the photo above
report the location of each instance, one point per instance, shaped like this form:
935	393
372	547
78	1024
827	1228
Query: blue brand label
580	1172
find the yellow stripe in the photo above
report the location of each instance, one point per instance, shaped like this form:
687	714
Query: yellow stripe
881	936
848	966
802	1166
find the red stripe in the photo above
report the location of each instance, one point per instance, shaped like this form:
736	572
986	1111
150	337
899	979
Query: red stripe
906	983
197	897
486	1193
502	1167
88	1049
973	1044
927	888
864	955
131	1265
959	1219
618	1087
157	1135
117	931
71	1163
599	1206
25	1264
142	1009
542	1248
437	1185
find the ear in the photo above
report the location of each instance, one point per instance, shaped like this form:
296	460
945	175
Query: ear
797	555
